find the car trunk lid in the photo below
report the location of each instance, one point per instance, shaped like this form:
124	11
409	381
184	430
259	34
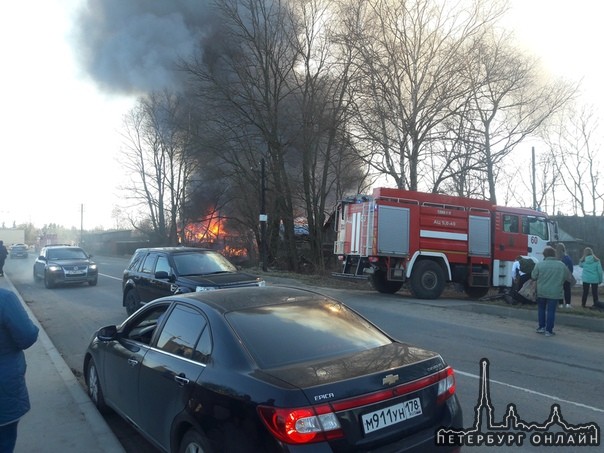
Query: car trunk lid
379	395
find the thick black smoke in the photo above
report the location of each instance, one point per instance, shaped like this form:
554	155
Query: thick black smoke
134	46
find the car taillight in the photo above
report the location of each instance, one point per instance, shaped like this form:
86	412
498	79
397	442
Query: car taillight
301	425
446	385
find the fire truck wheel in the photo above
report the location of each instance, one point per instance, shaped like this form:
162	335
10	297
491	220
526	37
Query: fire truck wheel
382	285
427	280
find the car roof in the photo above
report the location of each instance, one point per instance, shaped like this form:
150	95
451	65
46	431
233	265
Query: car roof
173	249
62	246
232	299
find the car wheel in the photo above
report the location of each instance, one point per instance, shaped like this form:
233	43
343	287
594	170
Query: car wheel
194	442
48	281
36	278
93	282
132	301
95	392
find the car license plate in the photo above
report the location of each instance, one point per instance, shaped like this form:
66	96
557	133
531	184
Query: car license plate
74	272
392	415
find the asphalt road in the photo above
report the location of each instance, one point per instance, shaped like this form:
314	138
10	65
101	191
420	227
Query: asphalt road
526	370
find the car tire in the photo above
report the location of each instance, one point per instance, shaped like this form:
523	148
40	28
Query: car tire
95	392
93	282
132	301
48	283
194	442
36	278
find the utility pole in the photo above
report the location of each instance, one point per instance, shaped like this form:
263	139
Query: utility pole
263	216
534	172
81	224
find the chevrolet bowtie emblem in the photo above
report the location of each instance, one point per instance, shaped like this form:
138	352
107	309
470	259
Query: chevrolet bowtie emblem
390	379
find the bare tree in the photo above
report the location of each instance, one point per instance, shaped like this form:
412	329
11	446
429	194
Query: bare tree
321	83
575	150
158	155
411	58
508	102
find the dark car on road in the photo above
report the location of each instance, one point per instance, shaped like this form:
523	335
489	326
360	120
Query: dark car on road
157	272
269	369
18	251
65	264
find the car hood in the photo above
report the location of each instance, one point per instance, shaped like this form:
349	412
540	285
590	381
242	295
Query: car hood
70	262
222	280
367	369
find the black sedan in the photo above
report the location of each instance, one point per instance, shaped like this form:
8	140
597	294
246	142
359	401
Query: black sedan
268	369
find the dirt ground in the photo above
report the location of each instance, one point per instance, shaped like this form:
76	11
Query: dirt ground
452	291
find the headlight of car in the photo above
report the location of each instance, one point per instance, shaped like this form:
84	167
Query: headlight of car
92	267
54	268
261	282
204	288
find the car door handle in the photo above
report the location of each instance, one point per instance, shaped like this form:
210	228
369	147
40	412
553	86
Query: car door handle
181	379
132	362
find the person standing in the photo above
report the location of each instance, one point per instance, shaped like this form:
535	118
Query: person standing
567	260
3	255
550	275
17	333
591	276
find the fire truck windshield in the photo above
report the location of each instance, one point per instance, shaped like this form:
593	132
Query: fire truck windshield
536	226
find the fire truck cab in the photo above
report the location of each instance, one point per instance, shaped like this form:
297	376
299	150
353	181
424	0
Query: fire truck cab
396	236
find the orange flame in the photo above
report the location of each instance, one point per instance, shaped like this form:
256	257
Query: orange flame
211	232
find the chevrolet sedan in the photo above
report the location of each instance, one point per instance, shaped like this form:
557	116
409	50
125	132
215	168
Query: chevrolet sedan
268	369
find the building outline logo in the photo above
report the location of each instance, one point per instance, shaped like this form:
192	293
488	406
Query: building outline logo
554	431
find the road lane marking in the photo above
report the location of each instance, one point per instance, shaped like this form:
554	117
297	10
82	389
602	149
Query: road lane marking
110	276
533	392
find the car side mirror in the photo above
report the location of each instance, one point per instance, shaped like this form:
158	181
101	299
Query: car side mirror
107	333
162	275
41	258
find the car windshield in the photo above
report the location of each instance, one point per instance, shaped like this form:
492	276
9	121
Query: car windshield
278	335
66	254
202	263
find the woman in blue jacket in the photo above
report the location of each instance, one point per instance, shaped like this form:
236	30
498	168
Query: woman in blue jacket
592	275
17	332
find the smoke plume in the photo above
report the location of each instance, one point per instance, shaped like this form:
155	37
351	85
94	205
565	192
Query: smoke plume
134	46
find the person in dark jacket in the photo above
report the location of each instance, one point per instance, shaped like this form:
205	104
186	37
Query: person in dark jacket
3	255
567	260
17	333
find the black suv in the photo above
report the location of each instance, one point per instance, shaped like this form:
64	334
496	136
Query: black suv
63	264
162	271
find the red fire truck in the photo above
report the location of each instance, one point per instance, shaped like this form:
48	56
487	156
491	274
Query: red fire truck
396	236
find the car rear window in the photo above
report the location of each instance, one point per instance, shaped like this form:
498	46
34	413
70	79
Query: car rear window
279	335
